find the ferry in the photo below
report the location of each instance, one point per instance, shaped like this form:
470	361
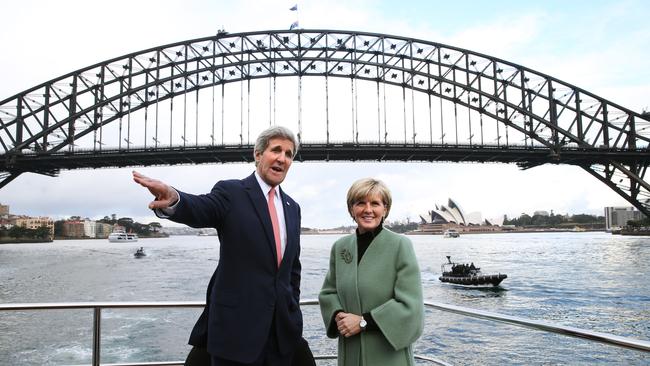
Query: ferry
451	233
121	236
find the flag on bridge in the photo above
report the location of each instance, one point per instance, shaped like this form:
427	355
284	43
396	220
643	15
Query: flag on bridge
295	24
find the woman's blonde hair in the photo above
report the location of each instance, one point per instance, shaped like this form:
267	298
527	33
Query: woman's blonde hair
365	187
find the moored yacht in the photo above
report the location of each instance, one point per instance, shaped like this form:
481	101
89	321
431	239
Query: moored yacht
119	236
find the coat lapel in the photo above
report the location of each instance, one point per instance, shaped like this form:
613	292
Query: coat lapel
347	260
262	209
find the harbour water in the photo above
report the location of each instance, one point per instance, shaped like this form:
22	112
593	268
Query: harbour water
594	281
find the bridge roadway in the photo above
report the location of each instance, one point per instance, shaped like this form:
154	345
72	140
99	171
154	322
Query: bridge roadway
51	163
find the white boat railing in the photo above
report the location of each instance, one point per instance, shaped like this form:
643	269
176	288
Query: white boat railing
97	307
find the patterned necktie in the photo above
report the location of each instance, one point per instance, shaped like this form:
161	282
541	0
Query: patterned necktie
276	225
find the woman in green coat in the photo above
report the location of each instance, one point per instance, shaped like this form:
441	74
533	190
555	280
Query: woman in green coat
372	295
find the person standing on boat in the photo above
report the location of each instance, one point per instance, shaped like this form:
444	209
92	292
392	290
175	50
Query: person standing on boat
371	298
252	314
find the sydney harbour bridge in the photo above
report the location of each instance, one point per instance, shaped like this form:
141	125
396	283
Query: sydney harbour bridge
349	96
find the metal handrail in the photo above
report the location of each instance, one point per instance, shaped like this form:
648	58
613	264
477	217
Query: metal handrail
97	316
618	341
614	340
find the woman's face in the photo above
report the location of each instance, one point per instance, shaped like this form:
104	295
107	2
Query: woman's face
368	212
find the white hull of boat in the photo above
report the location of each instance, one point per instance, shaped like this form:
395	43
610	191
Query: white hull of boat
122	238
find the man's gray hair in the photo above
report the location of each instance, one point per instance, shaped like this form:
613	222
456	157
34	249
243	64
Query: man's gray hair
275	132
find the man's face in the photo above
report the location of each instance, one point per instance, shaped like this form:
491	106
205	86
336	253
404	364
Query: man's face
274	162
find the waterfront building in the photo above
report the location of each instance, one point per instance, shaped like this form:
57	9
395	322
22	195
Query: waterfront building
451	213
430	228
6	223
475	218
180	230
89	228
34	223
617	217
73	229
103	230
498	221
451	216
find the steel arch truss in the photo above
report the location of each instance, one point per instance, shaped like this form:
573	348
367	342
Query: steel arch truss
612	141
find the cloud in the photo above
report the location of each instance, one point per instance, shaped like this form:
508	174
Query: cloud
504	37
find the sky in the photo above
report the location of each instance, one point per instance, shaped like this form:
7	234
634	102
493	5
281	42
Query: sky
600	46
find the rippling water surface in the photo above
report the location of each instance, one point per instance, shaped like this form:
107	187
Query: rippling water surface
594	281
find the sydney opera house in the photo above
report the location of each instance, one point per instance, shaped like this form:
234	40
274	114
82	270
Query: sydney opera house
448	216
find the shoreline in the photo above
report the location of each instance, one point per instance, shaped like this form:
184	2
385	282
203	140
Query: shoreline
507	231
40	241
26	241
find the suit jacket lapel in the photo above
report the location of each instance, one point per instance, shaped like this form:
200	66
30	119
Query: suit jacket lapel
262	209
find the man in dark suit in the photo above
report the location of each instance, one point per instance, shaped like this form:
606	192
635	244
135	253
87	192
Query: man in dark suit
252	316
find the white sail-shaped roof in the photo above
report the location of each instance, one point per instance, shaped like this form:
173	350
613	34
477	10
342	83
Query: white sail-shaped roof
426	217
452	213
458	213
444	214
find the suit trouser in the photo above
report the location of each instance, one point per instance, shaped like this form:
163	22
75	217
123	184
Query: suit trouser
270	355
303	356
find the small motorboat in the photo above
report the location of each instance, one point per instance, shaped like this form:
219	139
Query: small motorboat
468	274
451	233
140	253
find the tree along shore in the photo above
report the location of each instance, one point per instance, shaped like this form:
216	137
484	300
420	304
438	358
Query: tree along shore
19	234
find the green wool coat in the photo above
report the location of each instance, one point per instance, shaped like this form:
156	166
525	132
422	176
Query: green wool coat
386	283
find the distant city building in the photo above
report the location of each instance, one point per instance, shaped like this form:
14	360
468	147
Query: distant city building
617	217
452	216
73	229
4	209
495	221
6	223
180	230
90	228
34	223
451	213
541	213
474	218
103	230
